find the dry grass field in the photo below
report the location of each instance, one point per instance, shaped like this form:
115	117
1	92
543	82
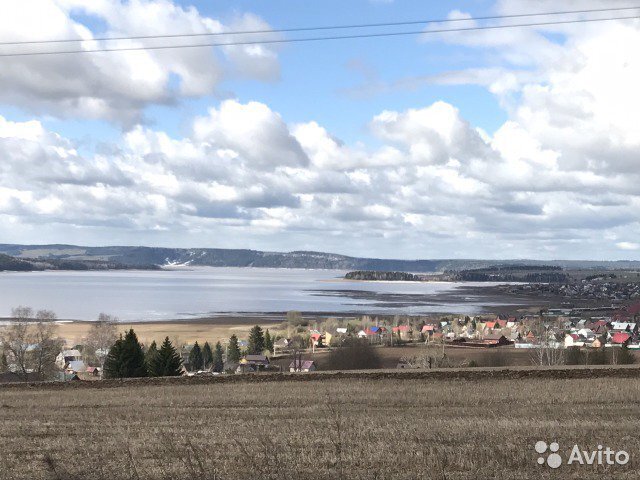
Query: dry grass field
351	428
188	332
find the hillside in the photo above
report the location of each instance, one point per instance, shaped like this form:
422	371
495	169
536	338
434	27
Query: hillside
143	257
14	264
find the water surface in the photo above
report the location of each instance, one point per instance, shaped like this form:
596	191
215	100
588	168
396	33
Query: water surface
170	294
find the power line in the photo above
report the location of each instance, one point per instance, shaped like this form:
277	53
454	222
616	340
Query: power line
314	39
317	28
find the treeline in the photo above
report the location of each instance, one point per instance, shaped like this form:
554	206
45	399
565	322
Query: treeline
128	358
382	276
537	277
12	264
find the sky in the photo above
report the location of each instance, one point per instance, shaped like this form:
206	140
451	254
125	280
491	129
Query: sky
506	143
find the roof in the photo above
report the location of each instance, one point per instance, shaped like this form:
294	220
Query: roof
494	336
490	324
77	366
402	328
71	353
427	328
256	359
620	337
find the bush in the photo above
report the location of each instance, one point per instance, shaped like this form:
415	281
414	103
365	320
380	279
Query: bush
574	356
354	354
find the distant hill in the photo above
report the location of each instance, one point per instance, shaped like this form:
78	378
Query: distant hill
13	264
147	257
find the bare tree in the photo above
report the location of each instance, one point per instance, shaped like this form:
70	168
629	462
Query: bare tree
101	336
45	344
32	345
15	338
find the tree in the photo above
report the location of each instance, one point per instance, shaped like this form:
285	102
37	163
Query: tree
218	360
598	357
256	341
45	344
574	356
31	347
625	357
207	356
268	341
167	362
195	358
354	354
15	338
125	358
101	336
149	357
233	350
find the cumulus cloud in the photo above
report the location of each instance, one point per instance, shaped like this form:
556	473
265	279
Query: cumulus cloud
558	179
118	87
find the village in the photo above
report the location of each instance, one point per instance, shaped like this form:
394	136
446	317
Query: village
299	344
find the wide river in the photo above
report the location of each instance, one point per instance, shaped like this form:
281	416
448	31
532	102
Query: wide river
202	291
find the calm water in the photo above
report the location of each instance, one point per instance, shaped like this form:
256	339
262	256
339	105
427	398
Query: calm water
156	295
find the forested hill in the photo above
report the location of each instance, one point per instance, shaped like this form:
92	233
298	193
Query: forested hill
14	264
146	257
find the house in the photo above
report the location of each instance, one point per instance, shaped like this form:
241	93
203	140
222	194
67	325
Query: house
316	339
305	366
93	371
252	363
403	331
281	345
75	366
66	356
488	341
428	329
573	340
623	326
341	330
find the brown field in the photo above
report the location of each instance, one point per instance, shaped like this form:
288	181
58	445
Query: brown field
401	426
201	330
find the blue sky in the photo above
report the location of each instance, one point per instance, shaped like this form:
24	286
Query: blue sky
316	77
508	143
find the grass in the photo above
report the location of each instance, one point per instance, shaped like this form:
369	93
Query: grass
337	428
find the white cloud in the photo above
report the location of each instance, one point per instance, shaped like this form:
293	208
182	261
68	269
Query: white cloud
559	178
628	245
118	86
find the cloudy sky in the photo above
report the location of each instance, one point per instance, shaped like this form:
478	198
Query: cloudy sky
511	143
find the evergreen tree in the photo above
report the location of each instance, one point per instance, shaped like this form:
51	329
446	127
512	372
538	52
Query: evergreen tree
195	358
126	358
233	350
167	362
149	355
256	341
207	356
625	357
268	341
218	361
